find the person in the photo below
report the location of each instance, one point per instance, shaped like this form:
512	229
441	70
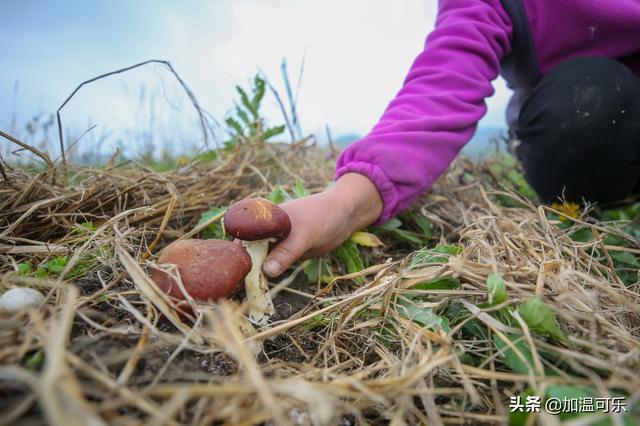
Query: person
574	115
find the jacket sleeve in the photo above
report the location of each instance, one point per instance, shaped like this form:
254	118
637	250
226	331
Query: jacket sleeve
437	110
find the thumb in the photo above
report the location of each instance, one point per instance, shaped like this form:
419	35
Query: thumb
285	254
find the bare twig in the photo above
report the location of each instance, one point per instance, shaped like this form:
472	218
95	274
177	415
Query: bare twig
4	175
28	147
167	64
283	109
292	100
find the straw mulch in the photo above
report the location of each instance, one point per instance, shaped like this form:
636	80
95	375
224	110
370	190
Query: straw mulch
106	348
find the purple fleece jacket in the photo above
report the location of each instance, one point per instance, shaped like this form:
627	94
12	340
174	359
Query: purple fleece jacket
436	112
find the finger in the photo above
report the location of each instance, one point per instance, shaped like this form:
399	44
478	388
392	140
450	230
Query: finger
285	254
310	254
322	250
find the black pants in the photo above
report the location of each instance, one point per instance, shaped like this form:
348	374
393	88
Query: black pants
579	132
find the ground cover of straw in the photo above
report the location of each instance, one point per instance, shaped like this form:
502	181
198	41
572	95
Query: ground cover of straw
415	337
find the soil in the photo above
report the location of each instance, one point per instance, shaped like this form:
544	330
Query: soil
188	365
107	350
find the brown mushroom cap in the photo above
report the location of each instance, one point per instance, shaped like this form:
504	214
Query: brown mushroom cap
254	219
210	269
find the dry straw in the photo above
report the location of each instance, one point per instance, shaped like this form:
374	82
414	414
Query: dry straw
114	353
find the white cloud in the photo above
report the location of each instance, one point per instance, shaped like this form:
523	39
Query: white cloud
357	55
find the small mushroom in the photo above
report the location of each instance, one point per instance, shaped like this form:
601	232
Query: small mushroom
17	299
257	222
209	269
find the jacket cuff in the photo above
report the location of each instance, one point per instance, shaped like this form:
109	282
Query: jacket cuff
386	188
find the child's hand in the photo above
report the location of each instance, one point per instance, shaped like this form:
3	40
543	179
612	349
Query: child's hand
321	222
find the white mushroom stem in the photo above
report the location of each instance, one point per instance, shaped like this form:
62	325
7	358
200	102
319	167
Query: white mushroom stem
248	330
257	288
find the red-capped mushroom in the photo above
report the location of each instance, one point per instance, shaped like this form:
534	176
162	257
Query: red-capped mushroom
257	222
209	269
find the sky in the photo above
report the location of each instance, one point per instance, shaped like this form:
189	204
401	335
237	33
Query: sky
356	54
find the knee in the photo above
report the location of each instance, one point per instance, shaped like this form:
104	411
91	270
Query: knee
587	69
579	93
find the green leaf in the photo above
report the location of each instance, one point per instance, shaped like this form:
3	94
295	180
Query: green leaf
456	313
88	226
408	236
392	228
476	329
448	249
626	266
520	364
568	392
213	230
582	235
520	183
319	320
311	270
244	117
496	169
392	223
258	94
349	255
625	258
234	125
468	178
424	224
540	318
366	239
563	392
387	335
254	126
103	298
299	190
617	215
496	289
519	418
206	156
508	160
614	240
442	283
24	269
435	255
230	145
424	316
244	99
34	362
279	195
57	264
273	131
